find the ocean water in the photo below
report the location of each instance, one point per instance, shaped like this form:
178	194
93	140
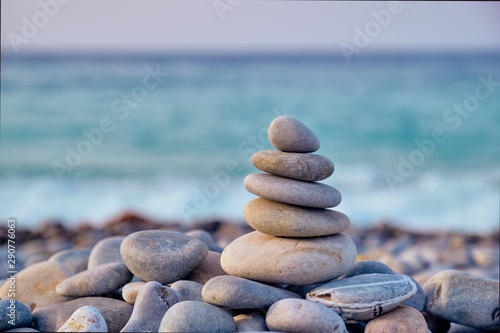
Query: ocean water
86	137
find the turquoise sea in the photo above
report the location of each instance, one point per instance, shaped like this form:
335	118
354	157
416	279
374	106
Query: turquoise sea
414	138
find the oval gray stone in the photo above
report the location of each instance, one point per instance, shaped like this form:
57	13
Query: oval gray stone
291	191
192	316
14	314
306	167
85	319
364	297
239	293
130	291
99	280
296	261
279	219
250	322
299	315
74	260
162	256
290	135
209	268
368	267
463	298
188	290
106	251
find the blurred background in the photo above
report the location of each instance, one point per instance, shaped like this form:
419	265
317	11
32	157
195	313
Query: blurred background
157	107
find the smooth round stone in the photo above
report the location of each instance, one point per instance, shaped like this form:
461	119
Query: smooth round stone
153	300
192	316
36	284
14	314
417	301
400	319
296	261
279	219
188	290
162	256
130	291
306	167
74	260
51	317
99	280
368	267
208	269
299	315
250	322
463	298
85	319
290	135
364	297
291	191
204	236
239	293
106	251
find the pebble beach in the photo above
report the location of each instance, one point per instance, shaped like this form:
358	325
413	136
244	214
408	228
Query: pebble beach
295	264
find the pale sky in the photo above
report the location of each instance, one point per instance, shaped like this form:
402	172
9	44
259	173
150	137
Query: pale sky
180	25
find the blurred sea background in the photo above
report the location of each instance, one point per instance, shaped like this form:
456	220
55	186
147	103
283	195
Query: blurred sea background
168	157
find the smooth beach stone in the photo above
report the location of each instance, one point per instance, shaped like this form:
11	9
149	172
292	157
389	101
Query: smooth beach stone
296	261
239	293
279	219
417	301
192	316
14	314
162	256
291	191
202	235
130	291
36	284
401	319
463	298
208	269
250	322
368	267
188	290
74	260
299	315
99	280
106	251
153	300
364	297
306	167
52	317
290	135
85	319
457	328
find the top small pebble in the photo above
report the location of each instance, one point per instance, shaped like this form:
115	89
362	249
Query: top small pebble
290	135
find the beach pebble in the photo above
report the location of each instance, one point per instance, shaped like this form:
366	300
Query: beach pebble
367	267
299	315
99	280
208	269
115	312
106	251
204	236
463	298
188	290
401	319
74	260
130	291
36	284
14	314
279	219
306	167
296	261
417	301
290	135
238	293
291	191
162	256
153	300
85	319
192	316
457	328
250	322
364	297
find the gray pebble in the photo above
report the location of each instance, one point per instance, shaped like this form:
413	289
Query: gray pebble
75	260
250	322
367	267
204	236
417	301
14	314
106	251
130	291
188	290
85	319
290	135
